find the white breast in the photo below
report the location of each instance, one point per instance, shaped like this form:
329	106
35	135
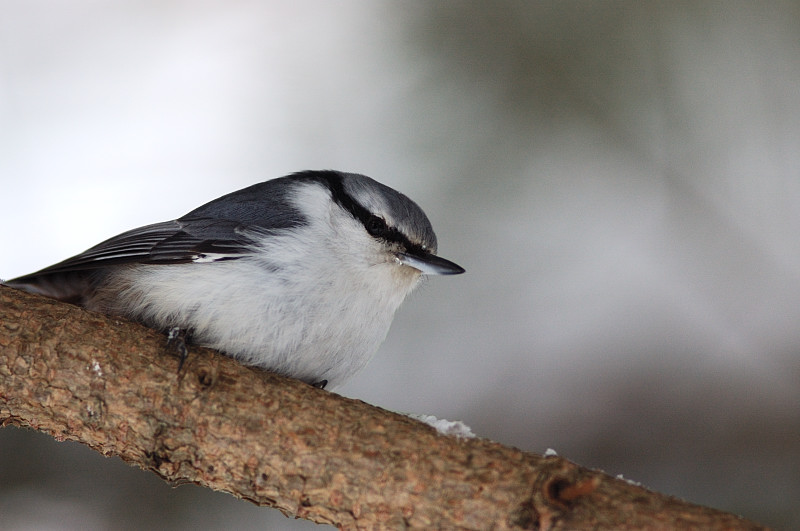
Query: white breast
314	303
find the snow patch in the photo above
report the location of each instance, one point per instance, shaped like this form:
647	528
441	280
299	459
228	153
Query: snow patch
629	481
453	428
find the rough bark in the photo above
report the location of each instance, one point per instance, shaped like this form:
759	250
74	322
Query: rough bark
114	386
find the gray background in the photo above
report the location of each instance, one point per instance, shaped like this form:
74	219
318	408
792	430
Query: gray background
620	180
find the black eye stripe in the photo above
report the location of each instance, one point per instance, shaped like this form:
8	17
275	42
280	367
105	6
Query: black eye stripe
378	228
374	225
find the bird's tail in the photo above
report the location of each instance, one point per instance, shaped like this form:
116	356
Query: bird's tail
73	286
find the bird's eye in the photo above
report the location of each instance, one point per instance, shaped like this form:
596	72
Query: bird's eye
376	226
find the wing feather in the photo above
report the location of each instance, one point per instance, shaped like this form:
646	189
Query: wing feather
222	229
173	242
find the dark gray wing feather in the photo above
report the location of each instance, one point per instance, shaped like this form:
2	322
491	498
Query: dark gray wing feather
160	243
219	230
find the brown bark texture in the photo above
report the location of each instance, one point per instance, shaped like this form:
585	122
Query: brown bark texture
115	386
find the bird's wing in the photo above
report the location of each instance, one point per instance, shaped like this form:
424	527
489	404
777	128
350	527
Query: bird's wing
219	230
170	242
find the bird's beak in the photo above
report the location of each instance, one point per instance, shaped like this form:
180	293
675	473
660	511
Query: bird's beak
429	264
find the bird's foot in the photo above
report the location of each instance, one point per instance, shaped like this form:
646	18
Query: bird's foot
177	338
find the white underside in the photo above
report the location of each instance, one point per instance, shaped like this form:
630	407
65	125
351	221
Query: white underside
311	312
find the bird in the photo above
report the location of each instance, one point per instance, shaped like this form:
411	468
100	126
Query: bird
299	275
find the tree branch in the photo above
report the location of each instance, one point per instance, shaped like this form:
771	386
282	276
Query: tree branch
114	386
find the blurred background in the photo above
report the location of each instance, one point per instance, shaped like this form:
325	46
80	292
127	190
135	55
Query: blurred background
620	179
